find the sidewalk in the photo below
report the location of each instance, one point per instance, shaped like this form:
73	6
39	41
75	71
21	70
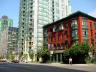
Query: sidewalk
59	64
71	65
84	67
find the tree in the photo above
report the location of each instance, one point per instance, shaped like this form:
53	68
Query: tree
77	52
31	54
44	54
10	55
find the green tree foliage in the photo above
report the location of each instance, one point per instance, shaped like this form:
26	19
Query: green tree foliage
44	54
10	56
25	56
77	52
20	55
31	54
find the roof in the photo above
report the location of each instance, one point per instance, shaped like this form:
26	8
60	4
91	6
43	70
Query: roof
73	15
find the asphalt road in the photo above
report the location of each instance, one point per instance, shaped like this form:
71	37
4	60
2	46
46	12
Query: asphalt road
8	67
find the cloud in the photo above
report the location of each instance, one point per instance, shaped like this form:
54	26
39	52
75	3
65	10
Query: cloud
93	13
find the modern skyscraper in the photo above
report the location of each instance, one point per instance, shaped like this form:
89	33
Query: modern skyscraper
5	23
34	14
8	42
12	41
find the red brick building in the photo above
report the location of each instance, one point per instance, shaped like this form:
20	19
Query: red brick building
76	28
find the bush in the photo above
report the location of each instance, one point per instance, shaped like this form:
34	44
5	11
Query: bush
90	60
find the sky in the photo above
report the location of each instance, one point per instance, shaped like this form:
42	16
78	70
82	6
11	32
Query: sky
10	8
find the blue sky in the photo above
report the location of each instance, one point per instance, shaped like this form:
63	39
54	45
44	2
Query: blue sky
87	6
11	8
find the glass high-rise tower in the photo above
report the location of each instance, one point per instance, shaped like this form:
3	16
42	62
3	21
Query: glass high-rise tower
34	14
5	23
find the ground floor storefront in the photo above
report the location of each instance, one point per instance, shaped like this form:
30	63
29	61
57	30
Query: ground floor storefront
57	57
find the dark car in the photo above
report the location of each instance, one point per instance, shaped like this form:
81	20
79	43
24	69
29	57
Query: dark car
15	61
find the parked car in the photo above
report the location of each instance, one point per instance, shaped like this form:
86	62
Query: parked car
3	60
15	61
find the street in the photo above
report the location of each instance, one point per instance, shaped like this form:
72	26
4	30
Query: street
11	67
